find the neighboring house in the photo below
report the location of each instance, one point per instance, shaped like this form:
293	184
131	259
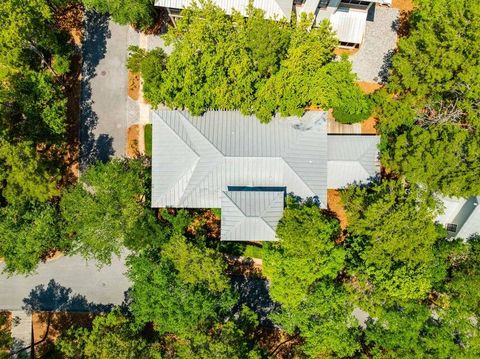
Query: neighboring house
229	161
348	17
461	216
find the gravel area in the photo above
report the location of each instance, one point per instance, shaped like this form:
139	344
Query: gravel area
372	61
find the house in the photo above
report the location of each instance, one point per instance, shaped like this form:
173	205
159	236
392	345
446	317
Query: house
461	216
348	17
229	161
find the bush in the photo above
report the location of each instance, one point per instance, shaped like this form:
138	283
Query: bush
342	115
147	135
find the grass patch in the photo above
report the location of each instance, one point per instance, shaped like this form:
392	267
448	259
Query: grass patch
147	135
253	252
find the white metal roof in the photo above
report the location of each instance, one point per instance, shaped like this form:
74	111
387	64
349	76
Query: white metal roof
274	9
349	24
351	158
196	158
462	212
251	215
200	162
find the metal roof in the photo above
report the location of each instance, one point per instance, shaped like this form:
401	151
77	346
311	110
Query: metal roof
274	9
251	215
200	162
196	158
349	24
351	158
462	212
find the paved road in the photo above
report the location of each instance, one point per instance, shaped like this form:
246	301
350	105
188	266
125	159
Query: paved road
67	283
104	89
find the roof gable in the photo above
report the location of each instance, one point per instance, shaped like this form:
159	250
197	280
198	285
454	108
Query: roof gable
251	215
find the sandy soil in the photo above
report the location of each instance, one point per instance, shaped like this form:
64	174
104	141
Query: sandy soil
368	87
404	5
335	205
368	126
133	141
133	85
339	52
48	326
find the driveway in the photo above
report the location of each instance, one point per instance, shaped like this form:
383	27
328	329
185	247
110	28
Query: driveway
104	105
66	283
372	61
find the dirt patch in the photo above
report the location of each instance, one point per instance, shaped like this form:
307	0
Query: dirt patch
134	141
52	255
133	85
277	343
368	126
349	52
335	205
205	220
368	87
243	266
403	5
48	326
69	19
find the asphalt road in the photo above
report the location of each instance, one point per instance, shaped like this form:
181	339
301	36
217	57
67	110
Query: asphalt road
104	90
66	283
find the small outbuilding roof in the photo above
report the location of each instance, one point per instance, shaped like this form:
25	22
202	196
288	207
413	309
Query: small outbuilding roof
349	24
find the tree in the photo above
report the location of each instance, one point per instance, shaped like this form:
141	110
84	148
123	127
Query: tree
250	64
111	335
160	296
140	14
305	253
28	232
324	320
103	207
443	156
430	117
6	339
232	339
24	176
196	265
391	238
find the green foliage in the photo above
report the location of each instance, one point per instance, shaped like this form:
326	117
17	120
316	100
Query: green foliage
354	107
148	140
450	165
111	335
160	296
23	175
430	118
249	64
233	339
252	251
101	209
27	233
6	339
138	13
324	320
391	240
305	253
194	265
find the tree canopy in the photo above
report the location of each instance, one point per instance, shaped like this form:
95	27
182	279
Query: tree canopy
305	253
140	14
251	64
391	239
430	118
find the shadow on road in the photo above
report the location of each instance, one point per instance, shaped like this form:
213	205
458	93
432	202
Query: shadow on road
55	297
94	48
